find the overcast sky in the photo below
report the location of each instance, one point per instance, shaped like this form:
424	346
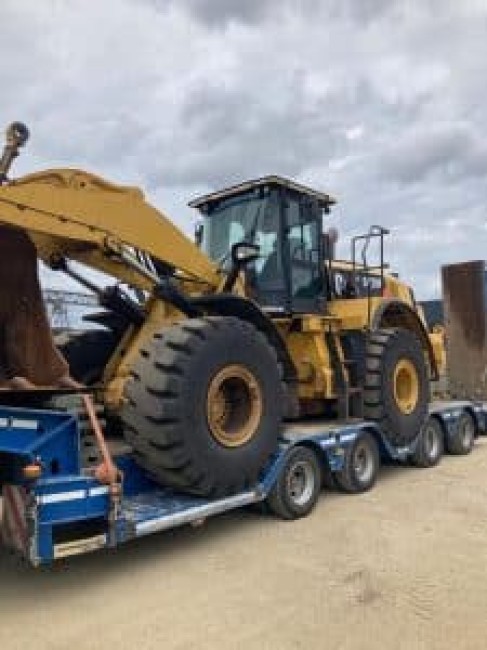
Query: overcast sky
381	103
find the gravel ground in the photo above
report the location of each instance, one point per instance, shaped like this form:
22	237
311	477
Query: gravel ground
404	566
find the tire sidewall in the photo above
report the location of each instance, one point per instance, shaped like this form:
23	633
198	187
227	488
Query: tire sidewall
238	346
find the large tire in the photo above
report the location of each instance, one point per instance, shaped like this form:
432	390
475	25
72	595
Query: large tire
204	406
87	352
396	393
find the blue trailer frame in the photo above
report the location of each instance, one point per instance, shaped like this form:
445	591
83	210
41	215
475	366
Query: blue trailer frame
67	511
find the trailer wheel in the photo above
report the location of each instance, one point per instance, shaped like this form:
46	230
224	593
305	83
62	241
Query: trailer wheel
297	488
430	445
360	465
462	440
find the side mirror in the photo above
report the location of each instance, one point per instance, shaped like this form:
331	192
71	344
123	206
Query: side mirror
243	253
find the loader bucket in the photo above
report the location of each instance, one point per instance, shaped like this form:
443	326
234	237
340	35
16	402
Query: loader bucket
27	349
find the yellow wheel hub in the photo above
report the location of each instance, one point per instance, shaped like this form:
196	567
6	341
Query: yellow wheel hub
406	386
233	406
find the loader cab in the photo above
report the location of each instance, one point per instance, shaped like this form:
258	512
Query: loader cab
285	220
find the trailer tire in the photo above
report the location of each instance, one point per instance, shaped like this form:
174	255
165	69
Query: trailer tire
396	391
204	406
430	445
360	465
461	442
298	485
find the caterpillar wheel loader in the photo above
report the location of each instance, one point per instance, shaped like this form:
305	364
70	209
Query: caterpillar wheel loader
203	349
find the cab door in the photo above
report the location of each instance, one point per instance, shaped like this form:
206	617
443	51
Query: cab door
304	256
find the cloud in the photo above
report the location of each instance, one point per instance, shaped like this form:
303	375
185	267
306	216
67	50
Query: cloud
450	150
222	12
382	104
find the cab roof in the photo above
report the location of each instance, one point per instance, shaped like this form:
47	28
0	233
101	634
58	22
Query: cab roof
324	200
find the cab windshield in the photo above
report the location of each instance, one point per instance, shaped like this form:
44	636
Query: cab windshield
252	217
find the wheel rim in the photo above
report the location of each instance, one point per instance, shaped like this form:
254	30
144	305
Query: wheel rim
234	406
406	386
300	483
363	463
431	441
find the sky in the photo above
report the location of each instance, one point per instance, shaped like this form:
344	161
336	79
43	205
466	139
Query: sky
380	103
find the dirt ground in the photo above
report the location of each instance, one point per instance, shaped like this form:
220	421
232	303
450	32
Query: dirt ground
404	566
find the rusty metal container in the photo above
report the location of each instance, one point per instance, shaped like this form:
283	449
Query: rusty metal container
465	313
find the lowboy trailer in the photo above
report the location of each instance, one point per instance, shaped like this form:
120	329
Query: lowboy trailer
55	506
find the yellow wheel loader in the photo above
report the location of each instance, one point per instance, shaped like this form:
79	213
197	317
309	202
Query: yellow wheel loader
204	349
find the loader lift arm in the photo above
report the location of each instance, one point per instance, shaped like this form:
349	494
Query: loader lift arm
76	215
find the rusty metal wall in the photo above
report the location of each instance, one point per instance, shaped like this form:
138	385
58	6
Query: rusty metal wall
464	301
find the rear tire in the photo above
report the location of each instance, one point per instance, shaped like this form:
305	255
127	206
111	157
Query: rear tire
396	392
204	406
360	465
297	488
461	442
430	445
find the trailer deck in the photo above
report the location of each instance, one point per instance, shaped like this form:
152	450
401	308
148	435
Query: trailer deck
53	506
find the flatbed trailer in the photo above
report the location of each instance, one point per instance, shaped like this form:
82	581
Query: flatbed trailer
53	506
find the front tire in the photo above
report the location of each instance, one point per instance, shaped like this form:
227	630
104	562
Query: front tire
204	406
